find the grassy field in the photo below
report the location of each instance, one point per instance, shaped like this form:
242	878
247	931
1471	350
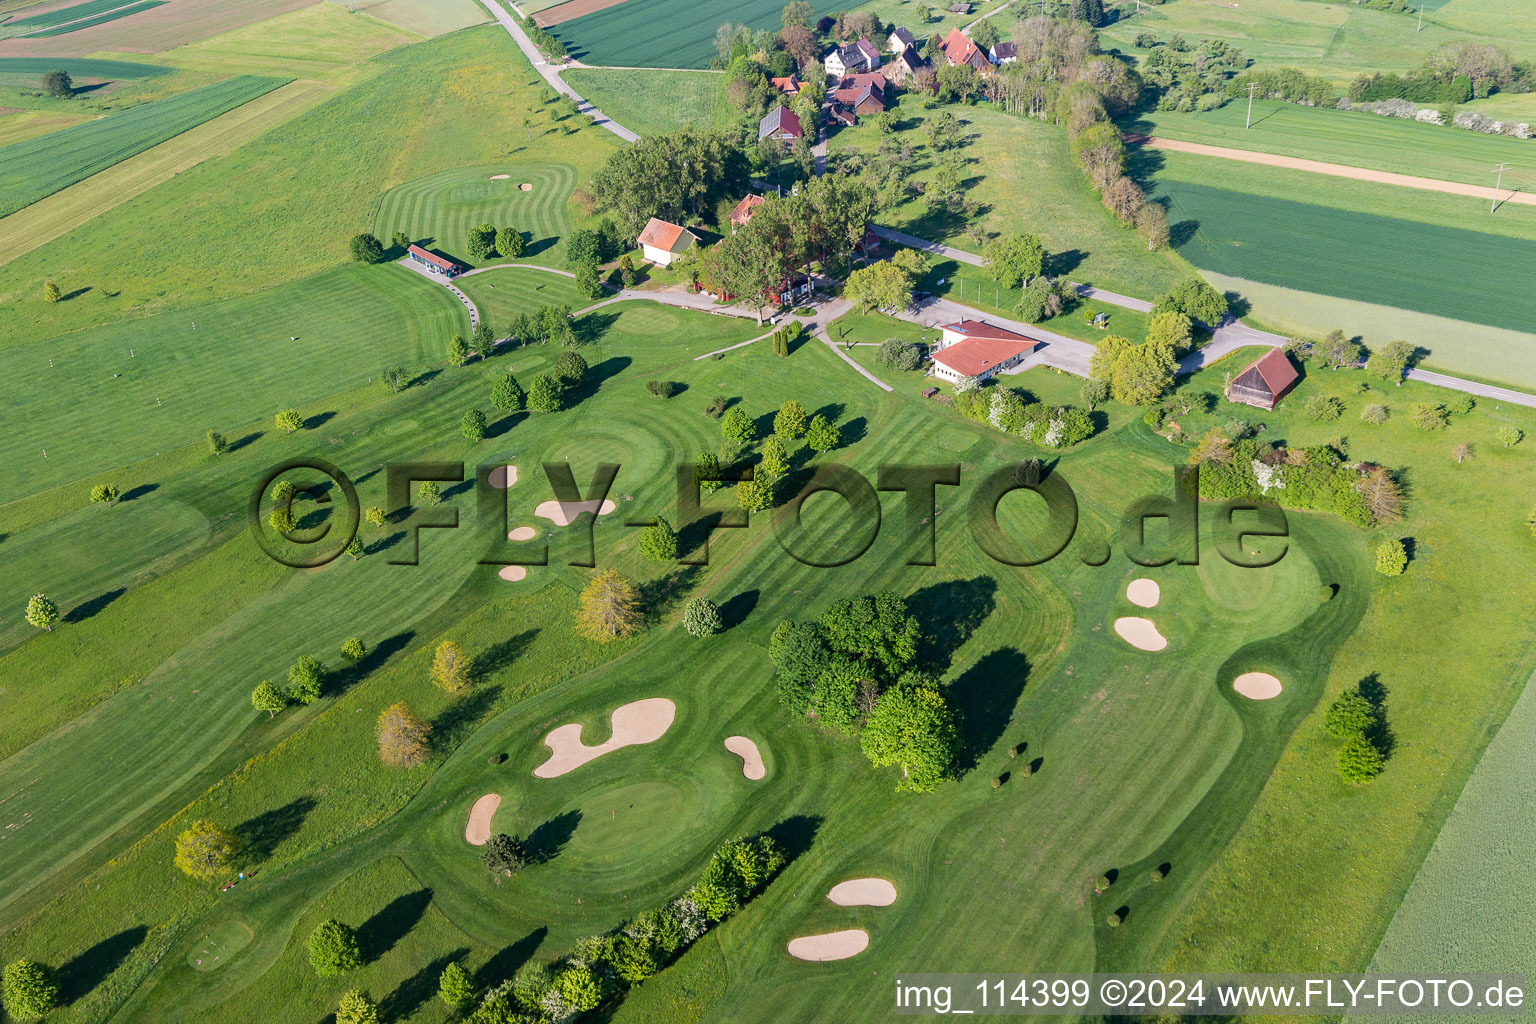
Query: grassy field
438	211
39	167
1354	139
664	33
1465	275
500	296
1464	897
940	18
655	102
1023	178
425	17
1336	41
262	219
319	41
29	124
80	68
61	16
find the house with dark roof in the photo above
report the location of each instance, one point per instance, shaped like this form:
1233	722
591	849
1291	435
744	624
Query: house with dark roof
1004	53
904	65
742	211
856	56
779	123
864	100
842	115
433	263
974	348
960	8
662	242
959	49
1264	381
899	40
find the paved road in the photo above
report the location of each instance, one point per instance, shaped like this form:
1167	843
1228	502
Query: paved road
938	249
551	72
1472	387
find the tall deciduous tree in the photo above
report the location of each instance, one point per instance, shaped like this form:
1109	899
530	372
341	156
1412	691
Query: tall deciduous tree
306	680
59	84
472	426
789	421
333	949
404	736
288	420
1015	259
1391	362
268	698
455	987
367	249
609	608
450	669
821	436
206	851
912	727
357	1007
677	177
507	394
28	990
659	541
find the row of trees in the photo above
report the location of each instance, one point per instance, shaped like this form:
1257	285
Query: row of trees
852	670
1018	413
602	967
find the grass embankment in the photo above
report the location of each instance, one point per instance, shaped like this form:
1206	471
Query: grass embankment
656	102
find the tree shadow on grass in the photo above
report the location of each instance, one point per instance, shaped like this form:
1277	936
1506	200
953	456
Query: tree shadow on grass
499	655
691	536
319	419
86	609
375	658
985	695
594	325
463	716
947	614
425	377
378	935
545	842
661	595
796	833
510	960
853	431
242	442
261	835
414	992
138	492
90	968
735	611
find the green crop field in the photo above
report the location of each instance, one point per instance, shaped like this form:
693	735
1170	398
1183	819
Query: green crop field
100	19
1466	275
62	16
438	211
664	33
655	102
1469	894
80	68
320	41
42	166
1337	41
1354	139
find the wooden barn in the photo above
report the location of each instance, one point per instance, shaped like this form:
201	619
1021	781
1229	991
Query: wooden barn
1265	381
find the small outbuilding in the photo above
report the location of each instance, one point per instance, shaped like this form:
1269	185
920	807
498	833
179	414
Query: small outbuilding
661	242
433	263
1265	381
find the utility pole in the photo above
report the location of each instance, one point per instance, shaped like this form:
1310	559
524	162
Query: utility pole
1498	182
1251	86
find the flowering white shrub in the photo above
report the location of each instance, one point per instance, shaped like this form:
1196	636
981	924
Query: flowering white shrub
1053	433
965	384
688	917
1267	476
1428	115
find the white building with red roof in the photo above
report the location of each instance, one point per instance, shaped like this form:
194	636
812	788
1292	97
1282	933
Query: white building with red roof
974	348
661	242
434	263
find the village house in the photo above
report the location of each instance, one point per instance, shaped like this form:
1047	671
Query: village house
742	211
789	86
861	100
433	263
661	242
842	115
855	57
959	49
899	40
1004	53
904	65
1264	381
974	348
779	123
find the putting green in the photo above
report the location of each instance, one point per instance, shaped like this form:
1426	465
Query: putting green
223	941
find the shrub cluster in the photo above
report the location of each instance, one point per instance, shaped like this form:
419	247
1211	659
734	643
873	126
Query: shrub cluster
1318	479
1017	413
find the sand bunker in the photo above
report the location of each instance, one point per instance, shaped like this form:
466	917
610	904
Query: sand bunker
500	177
522	533
513	573
564	513
526	186
1257	685
503	477
478	831
1140	633
1143	593
831	946
643	721
751	760
863	892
